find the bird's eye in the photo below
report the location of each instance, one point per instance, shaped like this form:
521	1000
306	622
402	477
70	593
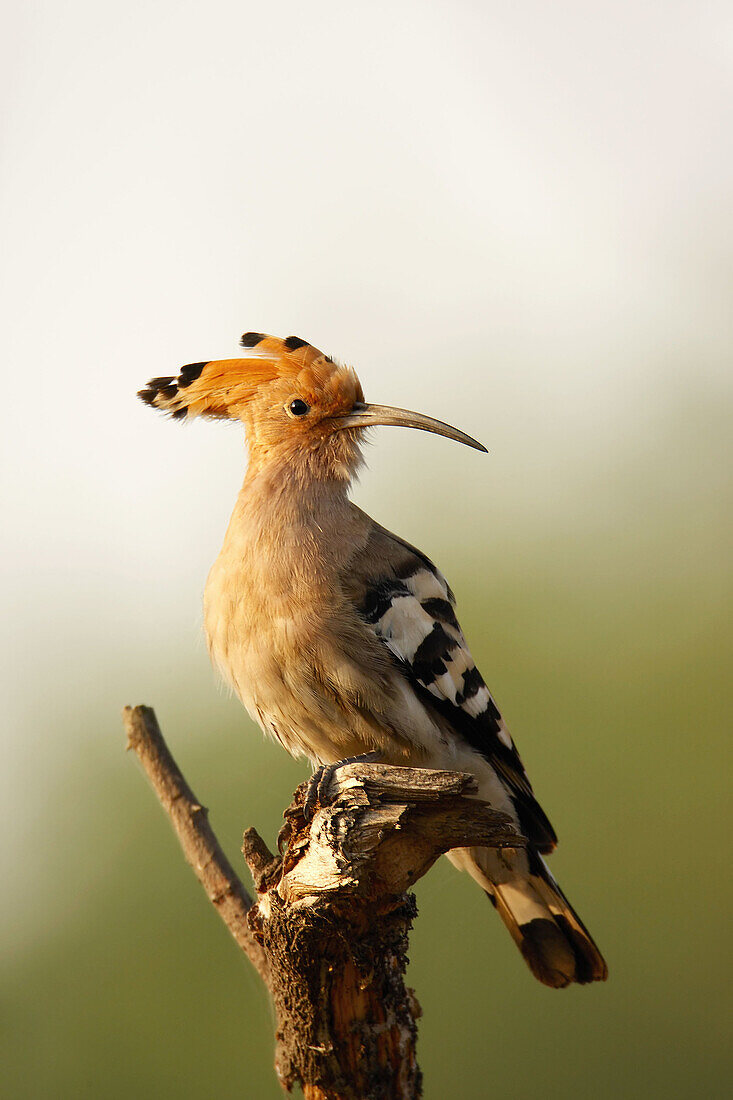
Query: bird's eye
298	407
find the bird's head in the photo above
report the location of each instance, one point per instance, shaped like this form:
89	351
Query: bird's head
297	405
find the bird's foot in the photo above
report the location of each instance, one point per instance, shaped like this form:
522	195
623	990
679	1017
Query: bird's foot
318	784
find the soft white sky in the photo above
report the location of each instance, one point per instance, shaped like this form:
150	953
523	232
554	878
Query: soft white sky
514	217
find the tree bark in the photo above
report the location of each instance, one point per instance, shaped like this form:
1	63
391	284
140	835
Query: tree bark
329	930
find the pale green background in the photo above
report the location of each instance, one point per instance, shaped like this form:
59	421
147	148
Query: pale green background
514	217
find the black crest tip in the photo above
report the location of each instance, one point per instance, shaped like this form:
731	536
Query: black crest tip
158	387
189	374
294	342
251	339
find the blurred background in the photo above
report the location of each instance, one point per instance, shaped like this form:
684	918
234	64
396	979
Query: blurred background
513	217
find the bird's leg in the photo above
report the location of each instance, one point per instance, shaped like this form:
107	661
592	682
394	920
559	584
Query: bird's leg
322	776
315	792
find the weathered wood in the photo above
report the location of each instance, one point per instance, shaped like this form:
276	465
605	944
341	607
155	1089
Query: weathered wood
334	920
328	933
386	824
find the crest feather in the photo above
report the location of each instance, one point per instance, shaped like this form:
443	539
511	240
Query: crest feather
221	388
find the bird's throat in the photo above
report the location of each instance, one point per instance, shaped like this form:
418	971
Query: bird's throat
292	523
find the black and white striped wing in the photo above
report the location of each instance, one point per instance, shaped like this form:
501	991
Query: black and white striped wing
411	609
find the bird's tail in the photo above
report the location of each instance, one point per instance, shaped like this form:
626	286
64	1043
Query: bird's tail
551	936
553	940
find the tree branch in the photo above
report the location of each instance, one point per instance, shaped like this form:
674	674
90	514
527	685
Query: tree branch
329	930
190	821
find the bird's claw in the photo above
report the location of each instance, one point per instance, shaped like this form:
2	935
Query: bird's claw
318	784
283	837
316	788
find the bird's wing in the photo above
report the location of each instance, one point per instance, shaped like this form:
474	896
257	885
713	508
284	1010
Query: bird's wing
405	599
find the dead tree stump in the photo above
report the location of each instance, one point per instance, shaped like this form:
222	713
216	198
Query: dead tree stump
329	930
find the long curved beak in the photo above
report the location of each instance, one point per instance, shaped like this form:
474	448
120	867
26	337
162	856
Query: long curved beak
369	416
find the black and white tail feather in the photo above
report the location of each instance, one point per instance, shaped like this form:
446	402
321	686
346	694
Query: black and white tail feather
410	607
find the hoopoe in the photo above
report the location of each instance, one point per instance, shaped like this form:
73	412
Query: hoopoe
341	639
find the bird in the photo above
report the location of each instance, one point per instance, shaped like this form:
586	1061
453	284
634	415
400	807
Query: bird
341	639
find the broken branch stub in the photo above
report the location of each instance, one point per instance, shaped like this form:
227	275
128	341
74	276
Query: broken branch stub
382	829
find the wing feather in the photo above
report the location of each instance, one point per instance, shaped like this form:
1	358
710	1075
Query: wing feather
407	602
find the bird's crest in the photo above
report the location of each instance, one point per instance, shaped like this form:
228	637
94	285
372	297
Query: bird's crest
223	388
